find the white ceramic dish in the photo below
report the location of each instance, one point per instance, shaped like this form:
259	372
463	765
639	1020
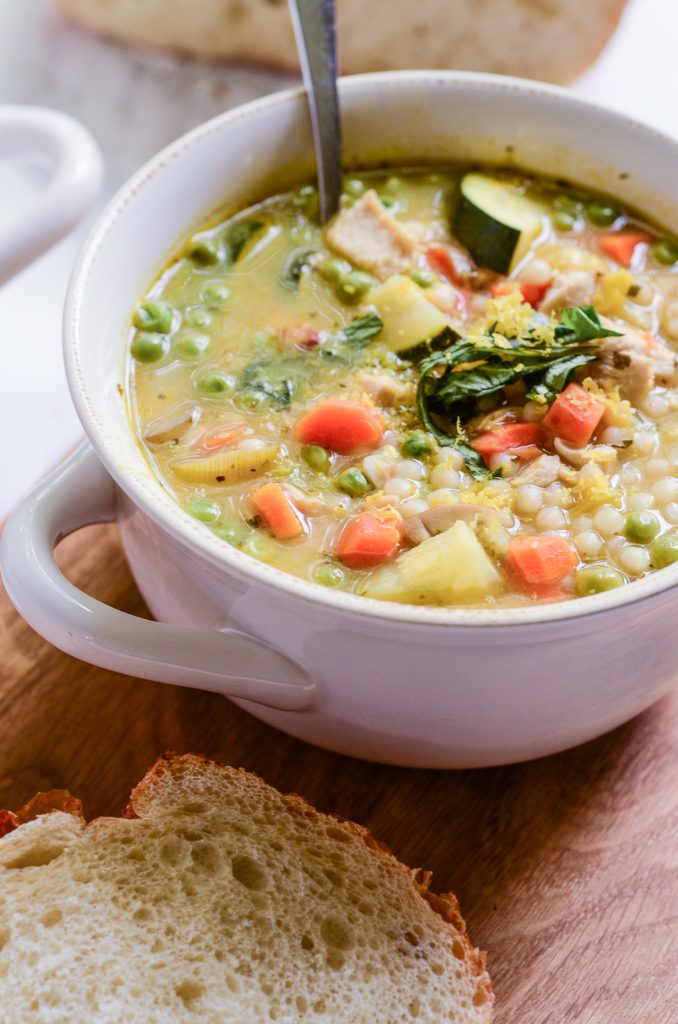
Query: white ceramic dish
413	686
72	168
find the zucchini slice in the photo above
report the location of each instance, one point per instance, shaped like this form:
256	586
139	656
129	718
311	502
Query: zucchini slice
496	224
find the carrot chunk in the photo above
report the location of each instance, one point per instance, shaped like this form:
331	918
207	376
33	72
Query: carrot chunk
531	293
500	288
368	540
574	415
621	245
448	262
534	293
223	437
541	560
507	438
342	426
278	513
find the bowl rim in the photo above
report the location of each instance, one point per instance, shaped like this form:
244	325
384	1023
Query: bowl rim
154	500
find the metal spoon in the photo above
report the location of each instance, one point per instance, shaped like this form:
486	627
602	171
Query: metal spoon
314	30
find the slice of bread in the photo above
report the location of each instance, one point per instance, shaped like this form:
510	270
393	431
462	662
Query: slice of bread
554	40
217	899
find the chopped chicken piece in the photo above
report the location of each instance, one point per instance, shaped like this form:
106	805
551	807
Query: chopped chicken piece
371	238
635	361
543	471
427	524
384	389
603	455
308	504
570	288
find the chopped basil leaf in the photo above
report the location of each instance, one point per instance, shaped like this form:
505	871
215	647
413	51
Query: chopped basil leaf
360	332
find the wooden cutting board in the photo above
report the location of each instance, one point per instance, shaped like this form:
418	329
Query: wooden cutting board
566	868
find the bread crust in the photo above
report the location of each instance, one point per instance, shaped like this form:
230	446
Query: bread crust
164	779
483	35
41	803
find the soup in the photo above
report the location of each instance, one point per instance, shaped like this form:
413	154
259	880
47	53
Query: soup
462	391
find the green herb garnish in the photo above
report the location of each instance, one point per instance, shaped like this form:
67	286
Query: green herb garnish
281	380
360	332
453	380
237	236
295	264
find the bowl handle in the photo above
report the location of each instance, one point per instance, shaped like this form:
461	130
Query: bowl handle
75	176
81	492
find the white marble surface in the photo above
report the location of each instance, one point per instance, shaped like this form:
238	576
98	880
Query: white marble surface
134	104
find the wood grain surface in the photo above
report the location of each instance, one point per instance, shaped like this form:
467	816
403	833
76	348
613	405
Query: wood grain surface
566	868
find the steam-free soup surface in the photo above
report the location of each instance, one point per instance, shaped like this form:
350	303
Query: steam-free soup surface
460	391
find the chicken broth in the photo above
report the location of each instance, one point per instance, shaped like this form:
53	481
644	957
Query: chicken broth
462	390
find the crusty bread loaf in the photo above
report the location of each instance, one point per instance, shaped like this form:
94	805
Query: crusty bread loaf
553	40
219	900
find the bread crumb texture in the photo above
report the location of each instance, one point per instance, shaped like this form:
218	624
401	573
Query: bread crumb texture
217	899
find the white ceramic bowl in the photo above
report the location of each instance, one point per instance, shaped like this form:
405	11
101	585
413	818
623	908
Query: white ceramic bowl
408	685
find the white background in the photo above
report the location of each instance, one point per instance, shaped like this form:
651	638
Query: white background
134	104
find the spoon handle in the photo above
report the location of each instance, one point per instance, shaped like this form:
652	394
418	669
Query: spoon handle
314	29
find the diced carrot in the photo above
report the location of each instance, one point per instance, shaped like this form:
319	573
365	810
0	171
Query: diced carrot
368	540
574	415
342	425
534	293
621	245
223	437
543	559
512	436
278	513
531	293
500	288
449	263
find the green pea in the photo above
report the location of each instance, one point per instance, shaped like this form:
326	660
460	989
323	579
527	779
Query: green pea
354	286
258	546
422	278
567	204
216	382
354	187
388	201
333	268
191	344
203	509
418	444
666	251
316	457
563	221
595	579
215	294
307	198
154	315
329	574
251	400
392	184
354	482
641	527
231	532
601	213
263	339
205	251
147	347
664	551
198	317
